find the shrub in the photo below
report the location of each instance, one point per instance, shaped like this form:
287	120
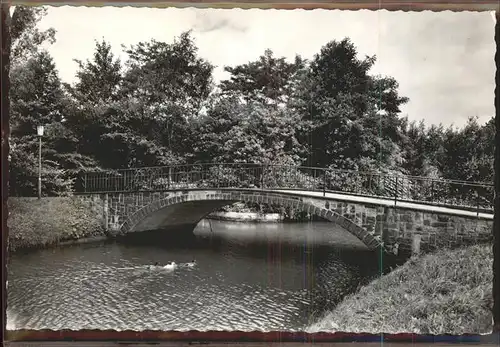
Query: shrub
37	223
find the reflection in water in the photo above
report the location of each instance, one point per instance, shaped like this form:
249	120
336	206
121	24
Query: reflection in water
247	277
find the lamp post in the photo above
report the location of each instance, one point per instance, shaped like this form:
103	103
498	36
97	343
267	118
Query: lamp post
39	131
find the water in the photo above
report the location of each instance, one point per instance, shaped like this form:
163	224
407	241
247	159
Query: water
248	277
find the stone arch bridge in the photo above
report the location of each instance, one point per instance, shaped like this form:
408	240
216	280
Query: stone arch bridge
381	210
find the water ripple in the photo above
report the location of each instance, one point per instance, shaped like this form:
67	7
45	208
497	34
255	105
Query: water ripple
234	286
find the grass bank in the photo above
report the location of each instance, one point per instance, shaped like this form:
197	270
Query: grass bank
41	223
449	292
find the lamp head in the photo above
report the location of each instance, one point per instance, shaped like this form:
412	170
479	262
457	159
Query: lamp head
39	130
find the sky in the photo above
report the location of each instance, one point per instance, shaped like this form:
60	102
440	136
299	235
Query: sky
443	61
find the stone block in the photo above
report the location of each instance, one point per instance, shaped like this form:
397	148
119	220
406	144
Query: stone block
396	232
345	223
126	226
310	209
335	218
141	213
147	209
349	216
439	225
373	243
369	227
407	217
370	220
443	218
357	230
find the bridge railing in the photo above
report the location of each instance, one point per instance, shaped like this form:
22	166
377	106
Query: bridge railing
477	195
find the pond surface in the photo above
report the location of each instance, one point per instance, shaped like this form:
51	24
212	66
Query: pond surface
247	277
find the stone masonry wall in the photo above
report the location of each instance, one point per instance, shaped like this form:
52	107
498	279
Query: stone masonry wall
395	225
436	230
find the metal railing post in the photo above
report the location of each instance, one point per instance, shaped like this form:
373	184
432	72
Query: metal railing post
379	188
370	183
262	176
477	202
432	190
218	176
324	182
84	182
396	192
169	179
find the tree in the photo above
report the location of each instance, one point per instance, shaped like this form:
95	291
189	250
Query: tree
36	94
97	106
98	80
37	98
169	75
248	133
25	44
26	37
140	116
433	151
169	85
269	80
469	152
255	120
354	115
413	143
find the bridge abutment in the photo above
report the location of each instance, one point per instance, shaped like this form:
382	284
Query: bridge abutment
434	230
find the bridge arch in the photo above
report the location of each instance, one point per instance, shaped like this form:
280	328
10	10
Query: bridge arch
189	207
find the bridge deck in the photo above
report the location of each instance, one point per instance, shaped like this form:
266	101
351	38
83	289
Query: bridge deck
389	203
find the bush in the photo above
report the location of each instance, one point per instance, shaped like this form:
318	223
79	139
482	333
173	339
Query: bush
37	223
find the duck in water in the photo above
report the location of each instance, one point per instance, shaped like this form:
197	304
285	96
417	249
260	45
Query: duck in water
191	264
170	266
151	267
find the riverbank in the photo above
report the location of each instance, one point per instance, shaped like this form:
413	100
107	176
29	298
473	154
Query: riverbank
449	292
35	224
252	217
52	221
260	213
